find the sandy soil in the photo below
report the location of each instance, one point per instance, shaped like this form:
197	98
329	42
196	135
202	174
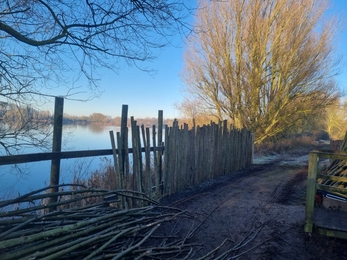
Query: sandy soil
256	213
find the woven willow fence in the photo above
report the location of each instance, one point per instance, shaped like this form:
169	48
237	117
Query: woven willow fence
186	158
196	155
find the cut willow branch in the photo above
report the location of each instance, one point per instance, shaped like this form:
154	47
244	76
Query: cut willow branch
98	230
89	232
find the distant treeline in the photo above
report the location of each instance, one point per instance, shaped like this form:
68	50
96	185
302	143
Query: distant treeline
11	113
101	119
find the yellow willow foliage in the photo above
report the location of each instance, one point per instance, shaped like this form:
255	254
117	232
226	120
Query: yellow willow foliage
266	65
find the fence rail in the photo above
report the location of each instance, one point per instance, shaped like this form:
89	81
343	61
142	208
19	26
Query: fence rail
189	156
37	157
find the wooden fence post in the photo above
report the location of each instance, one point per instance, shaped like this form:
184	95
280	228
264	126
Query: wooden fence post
311	191
119	176
123	149
124	136
57	140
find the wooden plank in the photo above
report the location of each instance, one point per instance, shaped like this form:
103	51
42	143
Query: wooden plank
36	157
330	232
330	154
332	177
332	189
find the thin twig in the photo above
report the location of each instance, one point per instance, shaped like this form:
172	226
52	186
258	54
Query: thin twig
128	250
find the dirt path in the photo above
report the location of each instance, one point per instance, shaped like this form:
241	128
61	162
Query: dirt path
257	213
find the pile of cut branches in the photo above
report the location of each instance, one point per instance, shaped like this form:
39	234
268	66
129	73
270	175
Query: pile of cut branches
88	223
29	230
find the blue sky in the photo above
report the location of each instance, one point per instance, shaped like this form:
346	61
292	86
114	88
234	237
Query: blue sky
143	92
146	94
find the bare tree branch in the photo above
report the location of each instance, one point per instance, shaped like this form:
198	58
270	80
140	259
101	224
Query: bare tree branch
47	44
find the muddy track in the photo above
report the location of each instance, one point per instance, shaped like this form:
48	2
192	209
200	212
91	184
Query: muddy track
256	213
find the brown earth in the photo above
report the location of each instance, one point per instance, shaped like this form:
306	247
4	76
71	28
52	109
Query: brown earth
257	213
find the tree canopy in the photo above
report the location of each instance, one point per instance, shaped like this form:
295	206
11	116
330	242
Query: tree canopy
265	65
47	44
44	41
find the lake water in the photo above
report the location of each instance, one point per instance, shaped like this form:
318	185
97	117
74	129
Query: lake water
36	175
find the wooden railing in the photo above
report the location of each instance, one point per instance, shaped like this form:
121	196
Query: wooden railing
37	157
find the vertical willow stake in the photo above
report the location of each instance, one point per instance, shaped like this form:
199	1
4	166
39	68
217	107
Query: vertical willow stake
122	150
160	153
57	139
119	176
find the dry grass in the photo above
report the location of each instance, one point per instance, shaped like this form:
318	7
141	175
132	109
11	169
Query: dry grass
285	145
104	177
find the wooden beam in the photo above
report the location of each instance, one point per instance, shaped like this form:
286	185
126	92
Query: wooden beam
332	177
36	157
331	154
332	189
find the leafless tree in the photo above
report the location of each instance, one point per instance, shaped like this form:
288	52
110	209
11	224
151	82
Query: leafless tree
47	44
194	112
265	64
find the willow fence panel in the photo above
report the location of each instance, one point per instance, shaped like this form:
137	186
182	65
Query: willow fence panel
195	155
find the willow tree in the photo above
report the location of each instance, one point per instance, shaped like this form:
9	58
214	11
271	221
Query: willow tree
336	119
263	64
47	44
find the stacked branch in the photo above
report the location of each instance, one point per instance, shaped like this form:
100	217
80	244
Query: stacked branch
97	230
88	224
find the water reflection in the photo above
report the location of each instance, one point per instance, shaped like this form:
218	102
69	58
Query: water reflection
96	129
75	137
